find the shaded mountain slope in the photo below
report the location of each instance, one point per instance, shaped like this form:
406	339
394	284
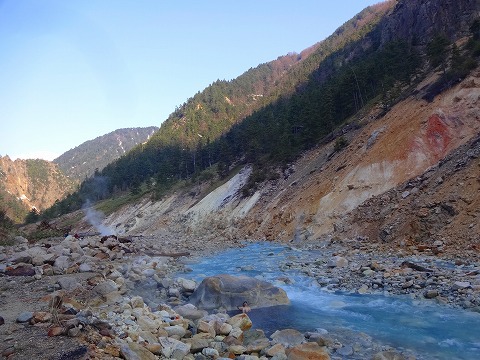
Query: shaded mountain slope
213	111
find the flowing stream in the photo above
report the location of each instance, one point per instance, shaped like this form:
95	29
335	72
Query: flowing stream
430	331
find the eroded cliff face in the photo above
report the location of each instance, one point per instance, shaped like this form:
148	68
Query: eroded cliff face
390	184
413	137
35	183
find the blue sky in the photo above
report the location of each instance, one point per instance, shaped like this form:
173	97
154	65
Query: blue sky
71	71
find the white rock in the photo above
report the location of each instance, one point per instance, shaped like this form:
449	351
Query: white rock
62	262
174	349
457	285
148	272
147	324
363	289
187	285
338	261
137	302
84	267
210	352
175	330
105	287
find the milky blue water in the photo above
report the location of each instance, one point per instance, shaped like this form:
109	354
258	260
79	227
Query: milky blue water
430	330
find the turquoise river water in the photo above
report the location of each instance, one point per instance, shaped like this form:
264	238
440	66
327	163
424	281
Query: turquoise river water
429	330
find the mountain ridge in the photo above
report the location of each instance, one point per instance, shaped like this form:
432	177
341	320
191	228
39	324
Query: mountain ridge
27	184
76	163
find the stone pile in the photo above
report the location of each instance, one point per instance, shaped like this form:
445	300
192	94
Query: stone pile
96	299
92	300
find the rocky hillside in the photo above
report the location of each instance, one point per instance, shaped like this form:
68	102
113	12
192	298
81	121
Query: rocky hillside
82	161
25	184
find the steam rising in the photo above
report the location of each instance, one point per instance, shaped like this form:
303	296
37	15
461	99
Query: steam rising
95	218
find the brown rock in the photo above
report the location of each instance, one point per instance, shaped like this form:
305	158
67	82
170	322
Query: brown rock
95	280
101	256
136	351
8	352
107	333
56	331
236	349
275	349
204	327
113	350
74	332
241	321
154	348
423	212
20	271
41	317
72	269
307	351
230	340
423	247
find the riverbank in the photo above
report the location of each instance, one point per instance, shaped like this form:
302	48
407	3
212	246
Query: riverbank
102	315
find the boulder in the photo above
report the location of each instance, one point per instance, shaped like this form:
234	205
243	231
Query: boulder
20	240
68	283
105	287
190	312
186	285
229	291
275	349
62	262
288	337
337	261
197	343
174	349
134	351
175	330
240	321
21	257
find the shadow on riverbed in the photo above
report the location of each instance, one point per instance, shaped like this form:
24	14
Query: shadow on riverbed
272	318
